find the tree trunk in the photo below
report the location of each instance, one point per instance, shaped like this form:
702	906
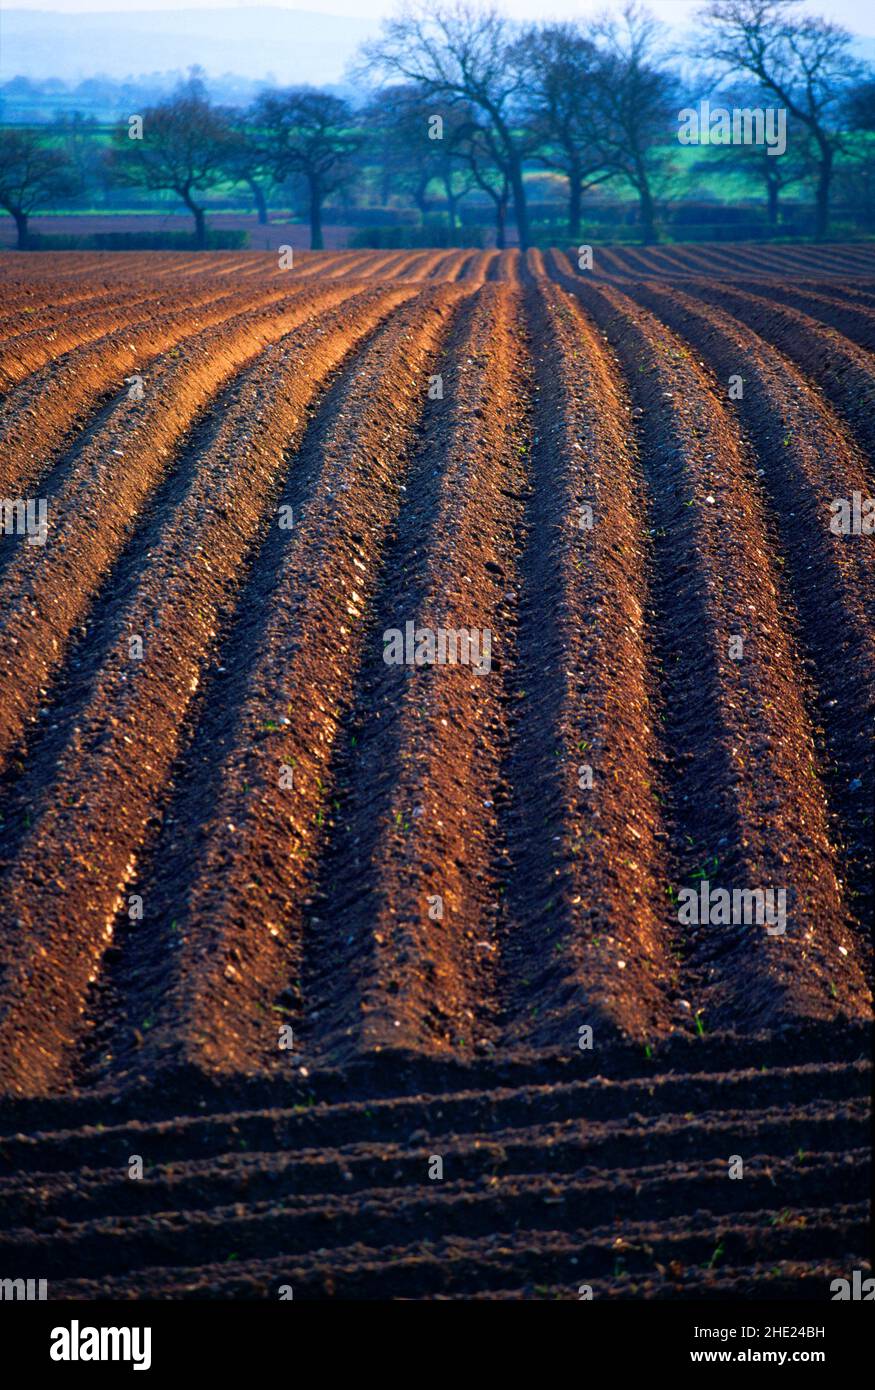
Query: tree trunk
501	222
824	175
648	214
200	222
772	194
574	200
521	212
21	229
260	201
316	242
451	213
420	197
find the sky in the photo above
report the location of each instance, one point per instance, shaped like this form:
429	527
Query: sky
123	38
857	15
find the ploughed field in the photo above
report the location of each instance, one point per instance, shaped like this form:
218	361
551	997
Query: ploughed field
406	980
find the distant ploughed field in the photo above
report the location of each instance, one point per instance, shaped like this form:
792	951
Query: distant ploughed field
411	666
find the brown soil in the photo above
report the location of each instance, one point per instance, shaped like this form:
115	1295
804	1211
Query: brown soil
288	808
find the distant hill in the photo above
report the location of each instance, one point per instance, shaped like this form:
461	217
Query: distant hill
286	46
255	45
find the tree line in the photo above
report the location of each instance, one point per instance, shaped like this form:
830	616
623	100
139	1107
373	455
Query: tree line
468	101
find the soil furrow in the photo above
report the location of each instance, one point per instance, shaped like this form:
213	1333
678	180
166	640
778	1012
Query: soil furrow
844	372
856	322
39	1200
30	350
456	1208
321	1117
777	1281
735	721
435	723
29	321
507	1265
54	403
46	589
255	827
806	460
582	937
95	808
411	869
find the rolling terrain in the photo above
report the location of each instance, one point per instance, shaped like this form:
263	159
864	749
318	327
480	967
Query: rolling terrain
290	922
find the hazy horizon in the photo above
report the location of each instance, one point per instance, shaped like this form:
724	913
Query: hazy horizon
857	15
313	41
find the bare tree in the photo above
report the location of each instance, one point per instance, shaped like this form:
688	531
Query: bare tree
773	174
414	139
82	148
452	170
31	172
461	53
248	160
561	104
636	100
855	175
802	60
310	133
476	146
185	148
396	121
859	107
